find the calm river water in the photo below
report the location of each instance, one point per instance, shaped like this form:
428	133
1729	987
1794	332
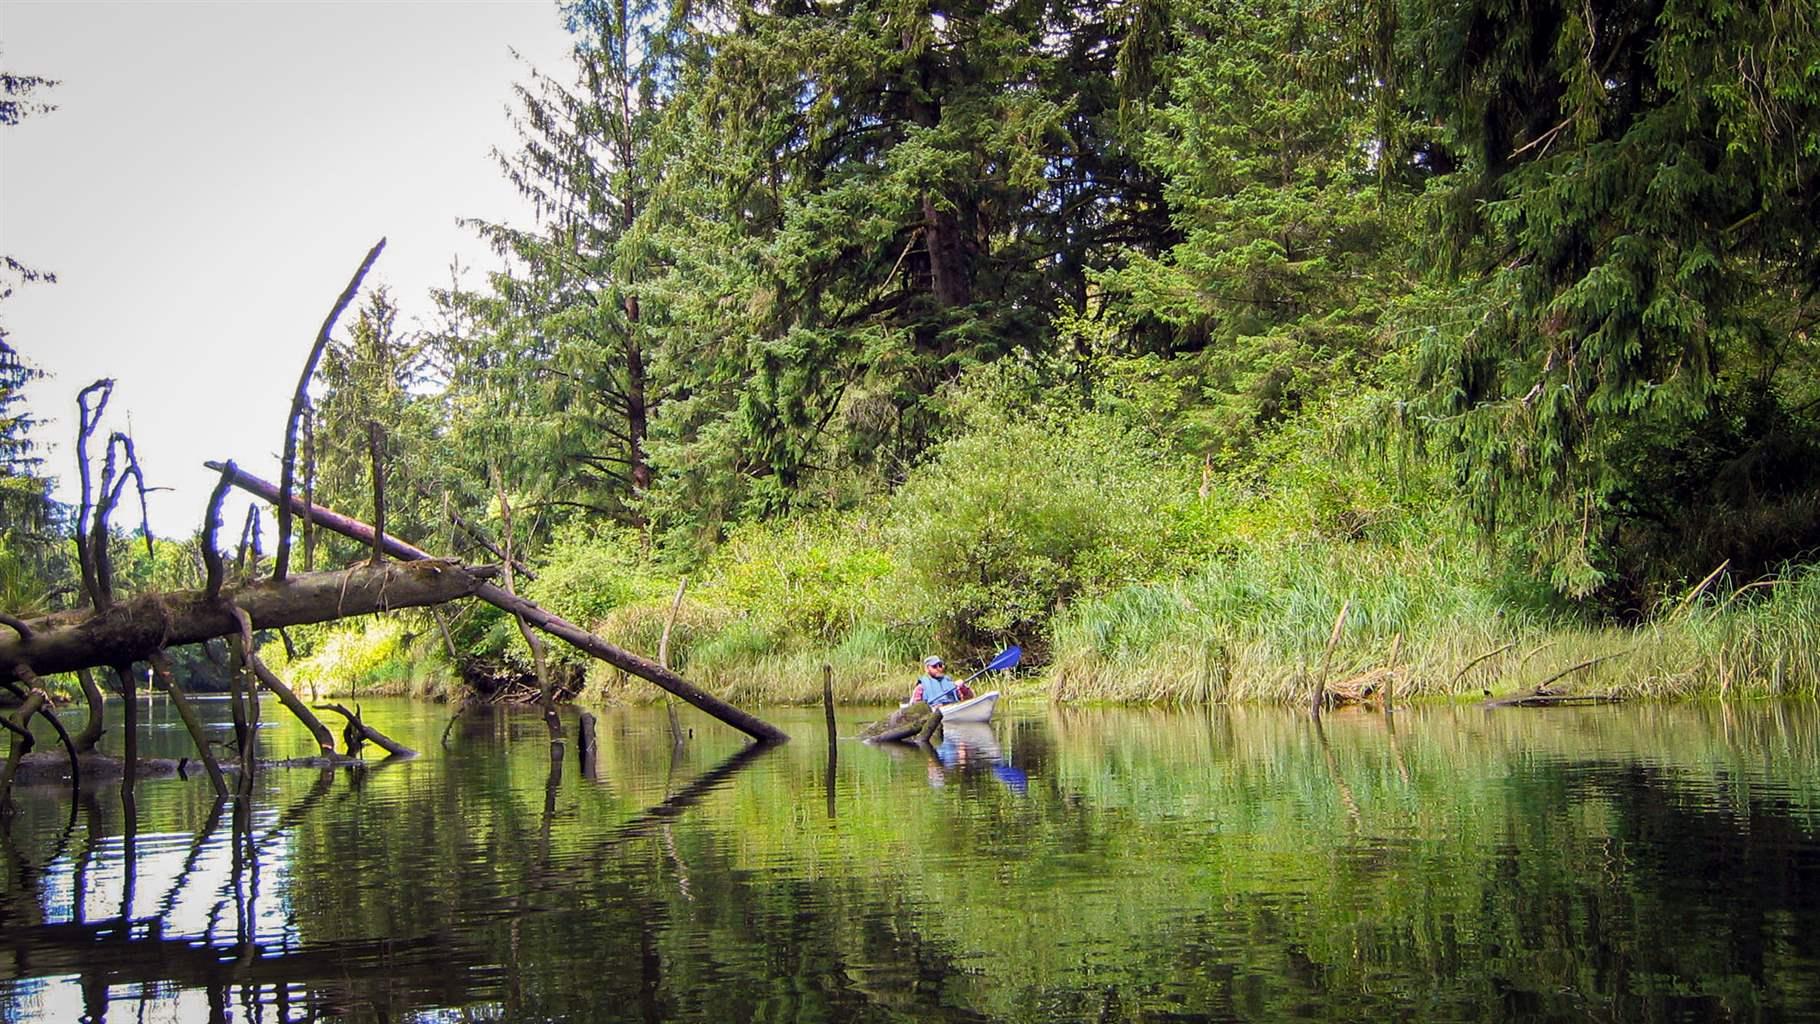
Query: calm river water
1604	864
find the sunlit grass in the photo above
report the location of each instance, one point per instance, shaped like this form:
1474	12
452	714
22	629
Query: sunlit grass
1256	627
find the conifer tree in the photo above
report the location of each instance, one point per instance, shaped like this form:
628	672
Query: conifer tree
1619	357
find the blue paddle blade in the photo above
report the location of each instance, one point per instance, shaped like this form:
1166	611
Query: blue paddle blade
1007	658
1012	777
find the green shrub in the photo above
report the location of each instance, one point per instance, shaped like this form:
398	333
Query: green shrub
1012	519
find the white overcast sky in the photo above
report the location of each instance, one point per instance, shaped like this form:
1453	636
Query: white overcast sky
212	176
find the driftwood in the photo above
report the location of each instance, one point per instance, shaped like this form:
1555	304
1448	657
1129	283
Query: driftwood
1365	688
357	731
909	722
618	657
1544	696
140	627
1373	686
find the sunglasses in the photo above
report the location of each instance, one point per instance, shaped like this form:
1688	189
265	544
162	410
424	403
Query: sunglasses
937	664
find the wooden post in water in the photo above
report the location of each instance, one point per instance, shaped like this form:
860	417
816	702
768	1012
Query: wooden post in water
1390	678
584	744
828	709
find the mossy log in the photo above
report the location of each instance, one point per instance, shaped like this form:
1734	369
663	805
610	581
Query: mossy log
907	722
136	629
1552	699
1364	688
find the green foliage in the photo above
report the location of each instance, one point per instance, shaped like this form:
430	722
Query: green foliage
1150	333
372	656
1012	519
1631	236
587	572
811	578
1290	250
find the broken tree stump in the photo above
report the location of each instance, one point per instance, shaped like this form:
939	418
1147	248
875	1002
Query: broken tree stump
905	723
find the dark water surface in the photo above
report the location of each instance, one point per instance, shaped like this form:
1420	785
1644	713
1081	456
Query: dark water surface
1605	864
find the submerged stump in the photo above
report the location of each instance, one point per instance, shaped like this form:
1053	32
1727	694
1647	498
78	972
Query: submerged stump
906	722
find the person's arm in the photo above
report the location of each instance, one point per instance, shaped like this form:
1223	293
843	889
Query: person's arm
917	694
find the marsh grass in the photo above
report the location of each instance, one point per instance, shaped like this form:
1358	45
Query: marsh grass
752	658
1252	627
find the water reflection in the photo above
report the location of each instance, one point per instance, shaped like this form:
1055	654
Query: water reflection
973	747
1081	864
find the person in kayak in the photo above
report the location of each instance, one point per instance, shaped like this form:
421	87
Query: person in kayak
935	688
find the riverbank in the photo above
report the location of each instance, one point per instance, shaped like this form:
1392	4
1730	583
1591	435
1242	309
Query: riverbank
1129	574
1254	626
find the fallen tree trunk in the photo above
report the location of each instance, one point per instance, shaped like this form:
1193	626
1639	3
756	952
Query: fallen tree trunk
134	630
1553	700
618	657
358	732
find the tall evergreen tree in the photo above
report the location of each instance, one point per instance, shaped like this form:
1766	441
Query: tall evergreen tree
1621	355
571	320
859	201
1271	141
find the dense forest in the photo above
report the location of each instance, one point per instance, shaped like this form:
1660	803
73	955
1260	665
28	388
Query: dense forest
1148	334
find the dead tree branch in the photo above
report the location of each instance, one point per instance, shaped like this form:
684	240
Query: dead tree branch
376	451
211	521
165	679
97	711
30	679
357	727
644	668
286	696
22	743
89	418
287	466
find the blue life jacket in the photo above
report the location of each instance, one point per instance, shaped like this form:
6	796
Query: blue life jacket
939	691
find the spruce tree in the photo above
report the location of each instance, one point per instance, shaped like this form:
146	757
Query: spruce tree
1619	352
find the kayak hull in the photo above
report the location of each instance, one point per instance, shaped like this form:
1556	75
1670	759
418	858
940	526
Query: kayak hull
979	709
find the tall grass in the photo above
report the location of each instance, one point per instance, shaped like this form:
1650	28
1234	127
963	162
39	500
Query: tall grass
1255	627
751	658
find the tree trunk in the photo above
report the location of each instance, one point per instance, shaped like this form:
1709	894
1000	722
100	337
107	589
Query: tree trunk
97	706
134	630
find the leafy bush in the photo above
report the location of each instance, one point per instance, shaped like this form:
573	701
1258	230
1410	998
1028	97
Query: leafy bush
1017	516
586	573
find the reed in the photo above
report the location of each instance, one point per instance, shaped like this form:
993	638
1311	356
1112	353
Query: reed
1252	627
